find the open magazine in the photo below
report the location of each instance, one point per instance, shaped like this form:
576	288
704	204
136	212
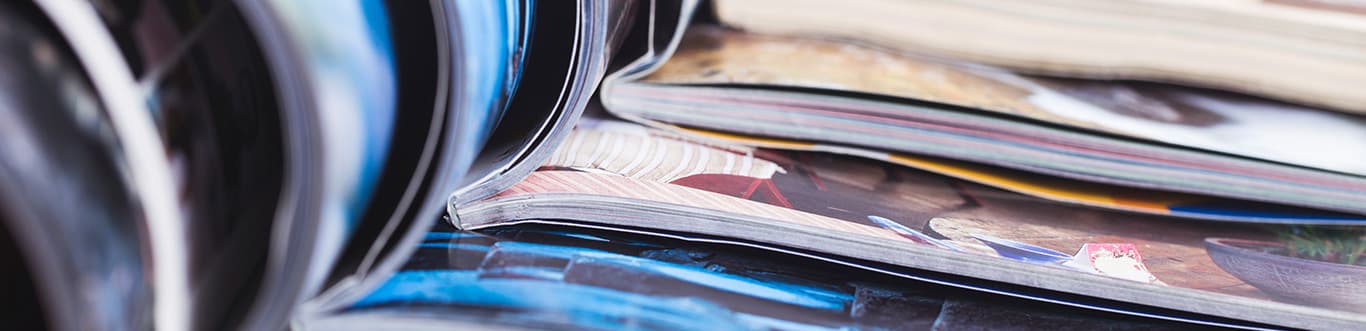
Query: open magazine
558	277
1138	135
619	175
189	165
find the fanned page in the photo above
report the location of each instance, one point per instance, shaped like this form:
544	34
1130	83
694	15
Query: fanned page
550	277
626	175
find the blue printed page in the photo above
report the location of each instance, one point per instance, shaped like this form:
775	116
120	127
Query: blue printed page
561	278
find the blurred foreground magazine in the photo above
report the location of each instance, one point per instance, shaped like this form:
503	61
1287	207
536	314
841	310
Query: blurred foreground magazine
201	165
657	164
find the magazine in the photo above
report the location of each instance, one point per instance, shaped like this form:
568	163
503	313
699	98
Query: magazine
188	165
556	277
614	174
1142	135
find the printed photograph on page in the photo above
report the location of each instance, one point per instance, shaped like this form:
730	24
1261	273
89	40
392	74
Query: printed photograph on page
874	199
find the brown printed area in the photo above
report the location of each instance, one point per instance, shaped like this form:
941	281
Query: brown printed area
714	55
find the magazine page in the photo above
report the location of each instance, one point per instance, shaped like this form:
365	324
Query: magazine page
1279	274
567	62
565	278
1139	200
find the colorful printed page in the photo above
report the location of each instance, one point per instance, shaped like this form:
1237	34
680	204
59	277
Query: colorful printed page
1066	190
1245	268
559	278
1203	119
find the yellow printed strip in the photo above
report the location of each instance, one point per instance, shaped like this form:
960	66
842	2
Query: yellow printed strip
1062	190
1051	188
750	140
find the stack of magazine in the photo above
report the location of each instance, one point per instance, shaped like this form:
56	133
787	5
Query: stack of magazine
680	164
